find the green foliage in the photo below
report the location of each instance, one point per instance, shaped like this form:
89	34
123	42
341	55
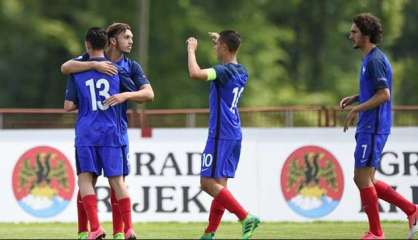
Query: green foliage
296	51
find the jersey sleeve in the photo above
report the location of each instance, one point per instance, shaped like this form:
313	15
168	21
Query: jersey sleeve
71	90
126	83
220	73
377	74
137	75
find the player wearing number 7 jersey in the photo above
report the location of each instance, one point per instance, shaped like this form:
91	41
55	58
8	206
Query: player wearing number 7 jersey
374	125
221	155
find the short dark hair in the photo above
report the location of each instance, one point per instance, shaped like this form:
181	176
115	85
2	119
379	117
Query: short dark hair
369	25
115	29
97	37
231	38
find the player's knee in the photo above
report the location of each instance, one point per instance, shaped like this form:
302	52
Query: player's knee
361	182
116	182
205	185
85	178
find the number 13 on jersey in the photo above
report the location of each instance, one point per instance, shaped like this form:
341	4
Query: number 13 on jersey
104	93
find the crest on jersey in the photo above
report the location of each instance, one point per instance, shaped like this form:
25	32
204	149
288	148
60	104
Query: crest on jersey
43	181
312	181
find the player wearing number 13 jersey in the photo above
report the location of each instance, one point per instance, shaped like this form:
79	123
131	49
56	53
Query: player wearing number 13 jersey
134	86
98	127
99	140
97	124
223	147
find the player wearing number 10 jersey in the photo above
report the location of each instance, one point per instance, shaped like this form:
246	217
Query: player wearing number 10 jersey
221	155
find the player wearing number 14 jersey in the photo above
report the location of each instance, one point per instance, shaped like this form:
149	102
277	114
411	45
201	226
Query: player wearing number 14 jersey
221	155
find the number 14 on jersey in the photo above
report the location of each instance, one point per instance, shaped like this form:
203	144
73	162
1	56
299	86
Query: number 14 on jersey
237	91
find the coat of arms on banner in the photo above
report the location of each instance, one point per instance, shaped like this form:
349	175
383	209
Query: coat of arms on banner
312	181
43	181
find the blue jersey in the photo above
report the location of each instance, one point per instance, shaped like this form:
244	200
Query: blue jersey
225	93
376	73
97	124
132	78
131	75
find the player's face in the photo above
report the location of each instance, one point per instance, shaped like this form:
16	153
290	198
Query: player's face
124	41
356	37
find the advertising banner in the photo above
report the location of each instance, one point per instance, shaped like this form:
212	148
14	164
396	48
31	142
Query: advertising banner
287	174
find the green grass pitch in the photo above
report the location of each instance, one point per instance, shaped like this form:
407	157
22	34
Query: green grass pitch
193	230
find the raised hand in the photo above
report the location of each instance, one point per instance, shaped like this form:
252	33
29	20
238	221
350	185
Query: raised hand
191	44
214	36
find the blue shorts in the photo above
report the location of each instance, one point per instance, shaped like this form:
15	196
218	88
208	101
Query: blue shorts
112	160
220	158
369	149
126	165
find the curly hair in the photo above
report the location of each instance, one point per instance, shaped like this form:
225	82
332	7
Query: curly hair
114	29
369	25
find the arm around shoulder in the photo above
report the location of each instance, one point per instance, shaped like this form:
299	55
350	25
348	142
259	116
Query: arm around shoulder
73	66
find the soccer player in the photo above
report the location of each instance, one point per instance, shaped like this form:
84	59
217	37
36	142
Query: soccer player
221	155
373	127
98	142
135	87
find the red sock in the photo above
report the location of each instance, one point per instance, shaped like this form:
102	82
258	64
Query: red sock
125	211
82	216
388	194
369	201
90	206
226	199
215	216
117	220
